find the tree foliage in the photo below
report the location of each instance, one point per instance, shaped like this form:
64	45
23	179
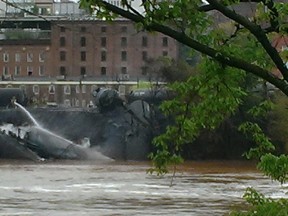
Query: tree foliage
261	205
279	121
168	70
202	102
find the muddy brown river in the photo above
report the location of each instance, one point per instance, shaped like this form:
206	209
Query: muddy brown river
86	188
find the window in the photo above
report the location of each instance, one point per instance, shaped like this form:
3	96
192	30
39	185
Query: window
122	90
29	70
29	57
41	70
77	103
51	89
123	56
62	56
5	57
67	103
83	103
83	29
44	11
103	71
5	70
83	56
62	71
17	70
41	56
124	29
36	89
103	56
62	41
103	42
123	41
84	89
83	71
123	70
164	41
144	55
17	57
83	41
77	89
103	29
67	90
62	29
144	41
164	53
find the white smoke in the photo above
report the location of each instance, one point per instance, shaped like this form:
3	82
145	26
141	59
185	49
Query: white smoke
9	129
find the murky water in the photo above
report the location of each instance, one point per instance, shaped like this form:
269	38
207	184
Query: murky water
82	188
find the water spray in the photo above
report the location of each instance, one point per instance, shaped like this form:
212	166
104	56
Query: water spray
27	113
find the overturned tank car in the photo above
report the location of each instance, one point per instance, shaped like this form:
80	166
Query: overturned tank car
151	96
114	129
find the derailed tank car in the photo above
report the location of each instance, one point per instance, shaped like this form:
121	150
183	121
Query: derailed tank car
151	96
116	129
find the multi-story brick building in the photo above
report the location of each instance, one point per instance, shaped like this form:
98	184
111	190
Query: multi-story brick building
86	49
96	49
24	58
78	51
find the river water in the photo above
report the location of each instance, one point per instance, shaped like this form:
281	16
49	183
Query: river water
91	188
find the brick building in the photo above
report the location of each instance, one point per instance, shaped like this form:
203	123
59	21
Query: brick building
90	49
96	49
24	58
67	62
